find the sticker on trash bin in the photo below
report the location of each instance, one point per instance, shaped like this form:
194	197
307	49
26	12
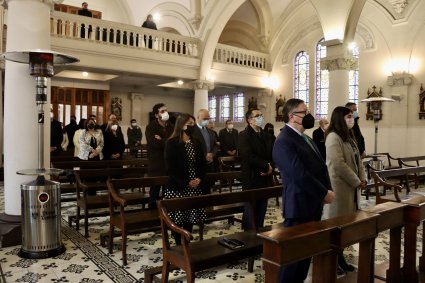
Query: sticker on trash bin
43	197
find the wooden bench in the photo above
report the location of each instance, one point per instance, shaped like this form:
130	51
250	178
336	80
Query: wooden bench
135	222
129	221
415	215
413	161
196	256
94	180
67	179
323	240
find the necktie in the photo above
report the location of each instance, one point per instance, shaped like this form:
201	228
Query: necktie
309	142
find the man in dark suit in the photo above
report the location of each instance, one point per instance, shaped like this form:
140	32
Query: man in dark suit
228	138
56	134
157	133
319	137
208	142
306	179
255	149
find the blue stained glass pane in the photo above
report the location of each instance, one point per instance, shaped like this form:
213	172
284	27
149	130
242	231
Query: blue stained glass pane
322	83
301	76
212	107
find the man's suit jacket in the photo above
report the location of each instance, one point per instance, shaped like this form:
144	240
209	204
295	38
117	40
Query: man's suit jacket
228	140
305	175
212	140
255	151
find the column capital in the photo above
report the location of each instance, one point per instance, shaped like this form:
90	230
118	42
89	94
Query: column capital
137	96
203	85
400	79
339	63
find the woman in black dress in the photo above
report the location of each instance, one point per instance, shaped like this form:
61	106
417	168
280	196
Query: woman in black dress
185	164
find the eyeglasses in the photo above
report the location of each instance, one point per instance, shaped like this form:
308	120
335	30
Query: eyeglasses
305	112
258	115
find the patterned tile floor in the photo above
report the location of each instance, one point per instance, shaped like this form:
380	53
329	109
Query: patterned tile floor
85	261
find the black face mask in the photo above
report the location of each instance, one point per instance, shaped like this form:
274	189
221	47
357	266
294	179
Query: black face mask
308	121
189	130
90	126
271	131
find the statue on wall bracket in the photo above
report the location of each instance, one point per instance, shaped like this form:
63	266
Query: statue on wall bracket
116	107
280	103
252	103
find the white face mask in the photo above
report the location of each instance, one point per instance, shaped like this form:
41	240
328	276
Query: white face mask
51	115
230	126
133	124
164	116
204	123
114	127
350	122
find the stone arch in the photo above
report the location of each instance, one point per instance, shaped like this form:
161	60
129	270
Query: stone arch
178	13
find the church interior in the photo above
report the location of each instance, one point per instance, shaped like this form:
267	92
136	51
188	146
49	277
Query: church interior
227	57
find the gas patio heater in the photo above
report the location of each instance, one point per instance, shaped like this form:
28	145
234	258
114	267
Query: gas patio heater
375	105
40	199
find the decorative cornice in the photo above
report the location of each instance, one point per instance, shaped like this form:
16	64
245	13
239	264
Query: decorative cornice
398	5
204	85
334	64
400	79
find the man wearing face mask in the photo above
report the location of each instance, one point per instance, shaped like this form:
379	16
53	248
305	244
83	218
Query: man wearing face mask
157	133
319	137
208	142
356	129
56	135
134	135
255	150
307	186
228	138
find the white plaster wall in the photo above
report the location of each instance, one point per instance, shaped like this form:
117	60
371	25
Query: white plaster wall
175	102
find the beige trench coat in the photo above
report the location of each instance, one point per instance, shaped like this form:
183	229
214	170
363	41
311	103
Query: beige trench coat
346	172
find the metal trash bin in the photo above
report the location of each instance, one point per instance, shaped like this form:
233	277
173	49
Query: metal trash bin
41	219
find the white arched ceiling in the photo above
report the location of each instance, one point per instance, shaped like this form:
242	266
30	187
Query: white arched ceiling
241	35
338	18
212	27
246	14
175	16
140	9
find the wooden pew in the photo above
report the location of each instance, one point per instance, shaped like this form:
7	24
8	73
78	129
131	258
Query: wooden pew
414	216
323	240
134	222
413	161
196	256
391	216
129	221
94	180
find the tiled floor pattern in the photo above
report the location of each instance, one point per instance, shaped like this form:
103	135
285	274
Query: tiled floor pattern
85	261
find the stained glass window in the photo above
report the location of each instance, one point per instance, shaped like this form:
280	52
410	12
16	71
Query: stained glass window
322	83
353	80
238	107
301	77
224	108
212	107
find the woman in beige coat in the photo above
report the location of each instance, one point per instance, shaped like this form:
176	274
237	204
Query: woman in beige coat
345	168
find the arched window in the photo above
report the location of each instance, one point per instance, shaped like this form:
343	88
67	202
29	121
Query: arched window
212	107
301	76
322	83
353	79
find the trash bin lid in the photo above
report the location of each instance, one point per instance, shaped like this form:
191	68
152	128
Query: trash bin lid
38	172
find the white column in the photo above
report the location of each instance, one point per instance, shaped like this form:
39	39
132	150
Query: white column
201	95
136	106
27	28
338	62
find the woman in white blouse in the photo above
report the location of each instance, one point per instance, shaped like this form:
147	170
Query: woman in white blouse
91	142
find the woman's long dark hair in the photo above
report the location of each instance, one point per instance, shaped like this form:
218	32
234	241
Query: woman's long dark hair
178	127
338	124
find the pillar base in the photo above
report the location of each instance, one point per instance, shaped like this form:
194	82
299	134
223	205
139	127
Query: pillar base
41	254
10	230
